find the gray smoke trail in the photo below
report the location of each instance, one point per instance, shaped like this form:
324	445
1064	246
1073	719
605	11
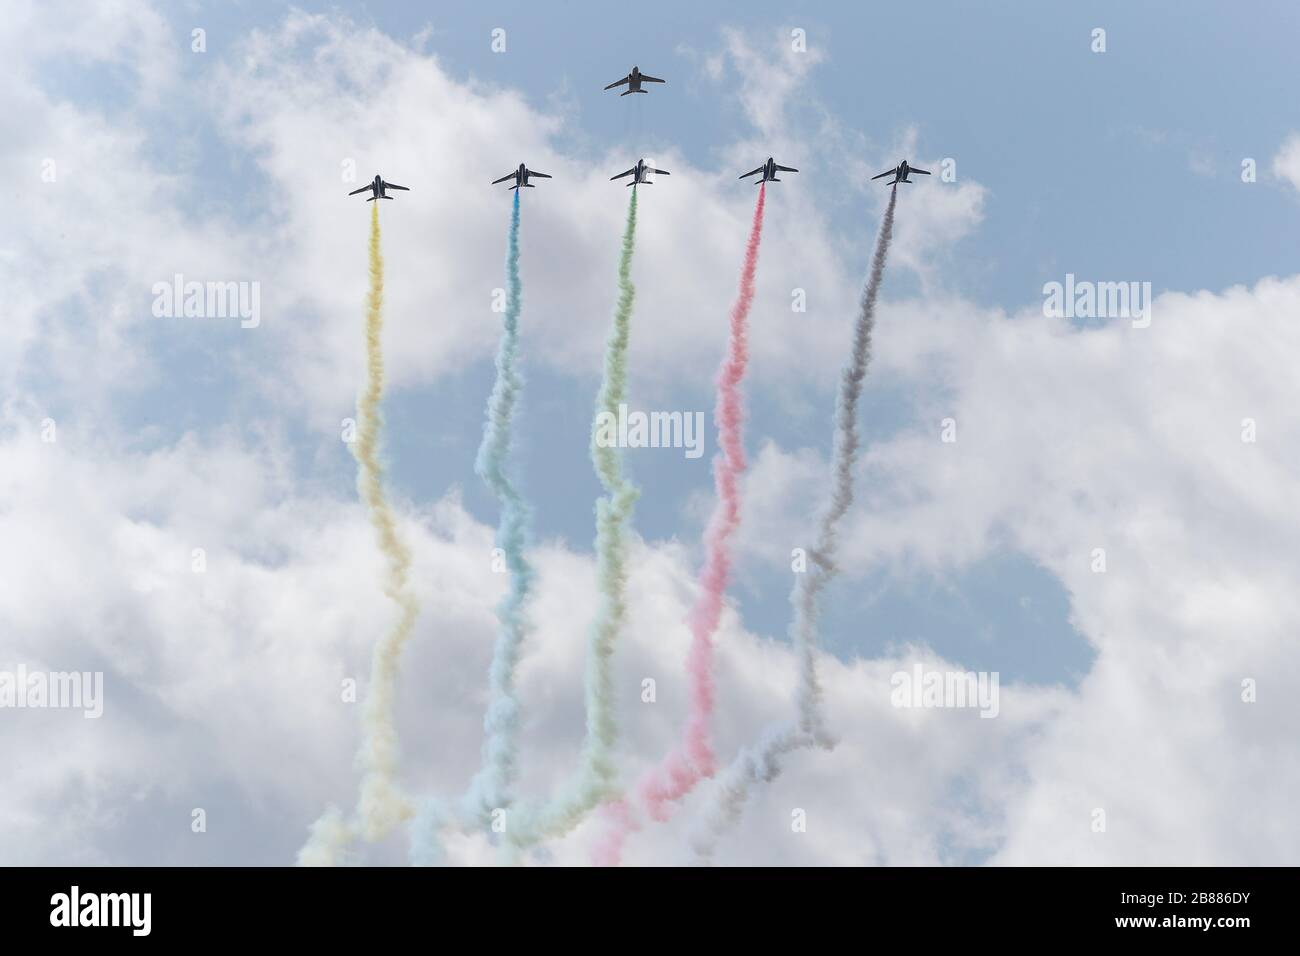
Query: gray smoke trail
763	761
731	788
808	587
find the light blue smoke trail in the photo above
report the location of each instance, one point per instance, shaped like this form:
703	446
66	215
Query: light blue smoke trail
493	786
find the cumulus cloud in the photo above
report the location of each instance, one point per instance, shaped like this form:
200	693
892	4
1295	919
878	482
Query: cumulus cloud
1169	448
224	687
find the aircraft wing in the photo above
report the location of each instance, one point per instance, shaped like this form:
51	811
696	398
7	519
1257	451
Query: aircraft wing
626	79
651	79
923	172
621	175
395	186
786	169
661	172
504	178
533	172
750	173
361	190
887	172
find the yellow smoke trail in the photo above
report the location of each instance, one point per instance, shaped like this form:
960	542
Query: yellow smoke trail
381	805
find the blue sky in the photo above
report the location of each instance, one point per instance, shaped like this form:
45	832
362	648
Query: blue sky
1131	118
1115	166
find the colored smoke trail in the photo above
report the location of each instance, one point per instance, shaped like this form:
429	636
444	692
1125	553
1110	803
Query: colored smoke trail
493	786
764	761
595	778
693	759
808	586
381	805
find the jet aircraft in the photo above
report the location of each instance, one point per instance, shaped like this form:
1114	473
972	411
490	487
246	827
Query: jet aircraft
900	173
634	81
521	177
638	173
769	170
379	188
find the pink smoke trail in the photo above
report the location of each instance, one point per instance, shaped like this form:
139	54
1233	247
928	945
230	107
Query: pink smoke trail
692	759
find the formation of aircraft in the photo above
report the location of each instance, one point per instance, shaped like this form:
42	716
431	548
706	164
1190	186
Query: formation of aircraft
769	170
634	81
638	173
900	173
379	189
521	177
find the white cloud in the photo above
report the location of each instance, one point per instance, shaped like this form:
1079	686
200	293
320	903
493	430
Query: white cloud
1286	164
1129	440
1062	447
231	678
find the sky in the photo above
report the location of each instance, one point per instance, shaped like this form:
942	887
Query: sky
1159	688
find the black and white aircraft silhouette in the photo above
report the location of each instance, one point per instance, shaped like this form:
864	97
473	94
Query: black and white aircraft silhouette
638	173
378	187
900	173
634	81
769	170
521	177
